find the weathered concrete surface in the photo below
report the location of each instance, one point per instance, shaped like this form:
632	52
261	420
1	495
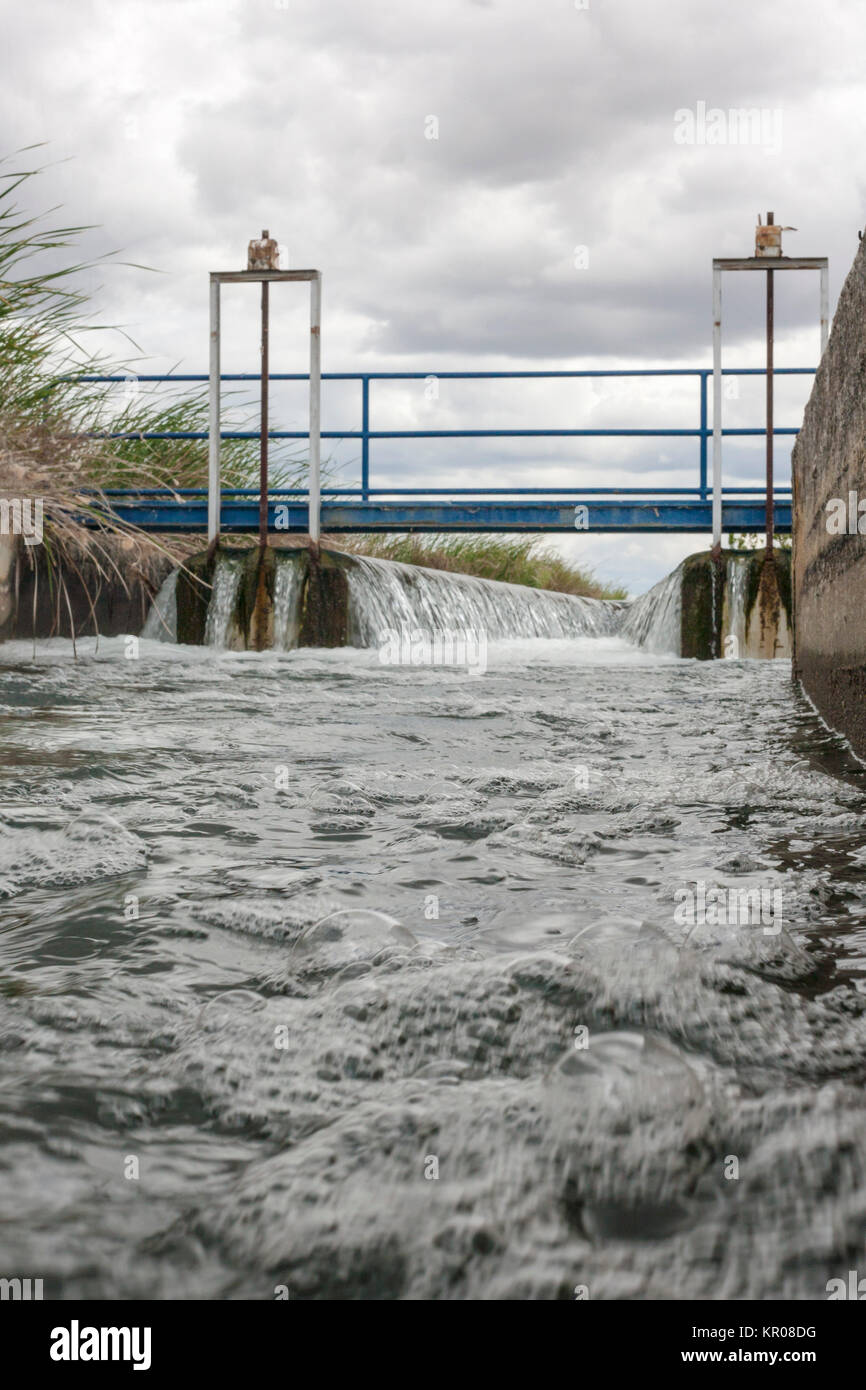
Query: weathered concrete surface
324	600
757	607
768	616
79	592
736	606
829	462
193	596
325	621
8	558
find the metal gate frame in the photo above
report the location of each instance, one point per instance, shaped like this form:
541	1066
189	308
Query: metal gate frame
765	263
242	277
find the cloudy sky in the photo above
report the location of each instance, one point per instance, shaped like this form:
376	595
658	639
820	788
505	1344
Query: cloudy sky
485	184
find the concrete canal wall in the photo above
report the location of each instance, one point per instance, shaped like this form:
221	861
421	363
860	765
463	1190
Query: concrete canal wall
829	523
107	589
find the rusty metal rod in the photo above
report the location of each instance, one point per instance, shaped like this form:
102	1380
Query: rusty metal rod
263	442
770	514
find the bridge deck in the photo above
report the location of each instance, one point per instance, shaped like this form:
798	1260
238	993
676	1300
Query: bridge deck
155	511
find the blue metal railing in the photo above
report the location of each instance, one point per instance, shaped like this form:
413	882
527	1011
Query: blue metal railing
702	431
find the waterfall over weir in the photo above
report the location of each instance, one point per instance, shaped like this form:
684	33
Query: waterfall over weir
161	624
654	620
220	628
385	595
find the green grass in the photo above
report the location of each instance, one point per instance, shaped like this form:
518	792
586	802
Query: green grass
515	560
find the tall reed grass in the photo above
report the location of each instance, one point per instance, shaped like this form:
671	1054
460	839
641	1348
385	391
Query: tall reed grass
513	559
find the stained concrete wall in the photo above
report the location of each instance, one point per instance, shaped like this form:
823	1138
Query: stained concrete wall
756	613
751	618
324	604
8	565
80	592
829	462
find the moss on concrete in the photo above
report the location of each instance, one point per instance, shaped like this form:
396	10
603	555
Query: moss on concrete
766	600
253	617
784	578
325	620
193	596
254	614
702	592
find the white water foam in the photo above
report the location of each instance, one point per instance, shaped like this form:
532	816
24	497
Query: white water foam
220	626
653	621
288	583
161	624
385	595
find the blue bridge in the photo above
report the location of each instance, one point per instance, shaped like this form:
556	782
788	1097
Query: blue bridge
366	507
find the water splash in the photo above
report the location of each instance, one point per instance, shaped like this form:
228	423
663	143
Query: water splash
654	620
384	595
161	624
288	584
220	628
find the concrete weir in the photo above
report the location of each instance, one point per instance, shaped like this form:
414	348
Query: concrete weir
252	599
829	523
248	599
734	606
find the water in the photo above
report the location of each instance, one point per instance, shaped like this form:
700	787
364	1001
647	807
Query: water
385	596
388	597
220	628
161	623
288	583
736	580
287	934
654	620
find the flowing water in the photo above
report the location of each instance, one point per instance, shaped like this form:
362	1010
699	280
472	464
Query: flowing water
653	620
220	627
161	623
288	583
736	579
371	981
385	597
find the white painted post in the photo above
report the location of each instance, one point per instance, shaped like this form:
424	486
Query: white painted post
314	499
717	406
213	468
825	307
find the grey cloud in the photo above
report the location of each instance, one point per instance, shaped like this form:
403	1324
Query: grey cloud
193	127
